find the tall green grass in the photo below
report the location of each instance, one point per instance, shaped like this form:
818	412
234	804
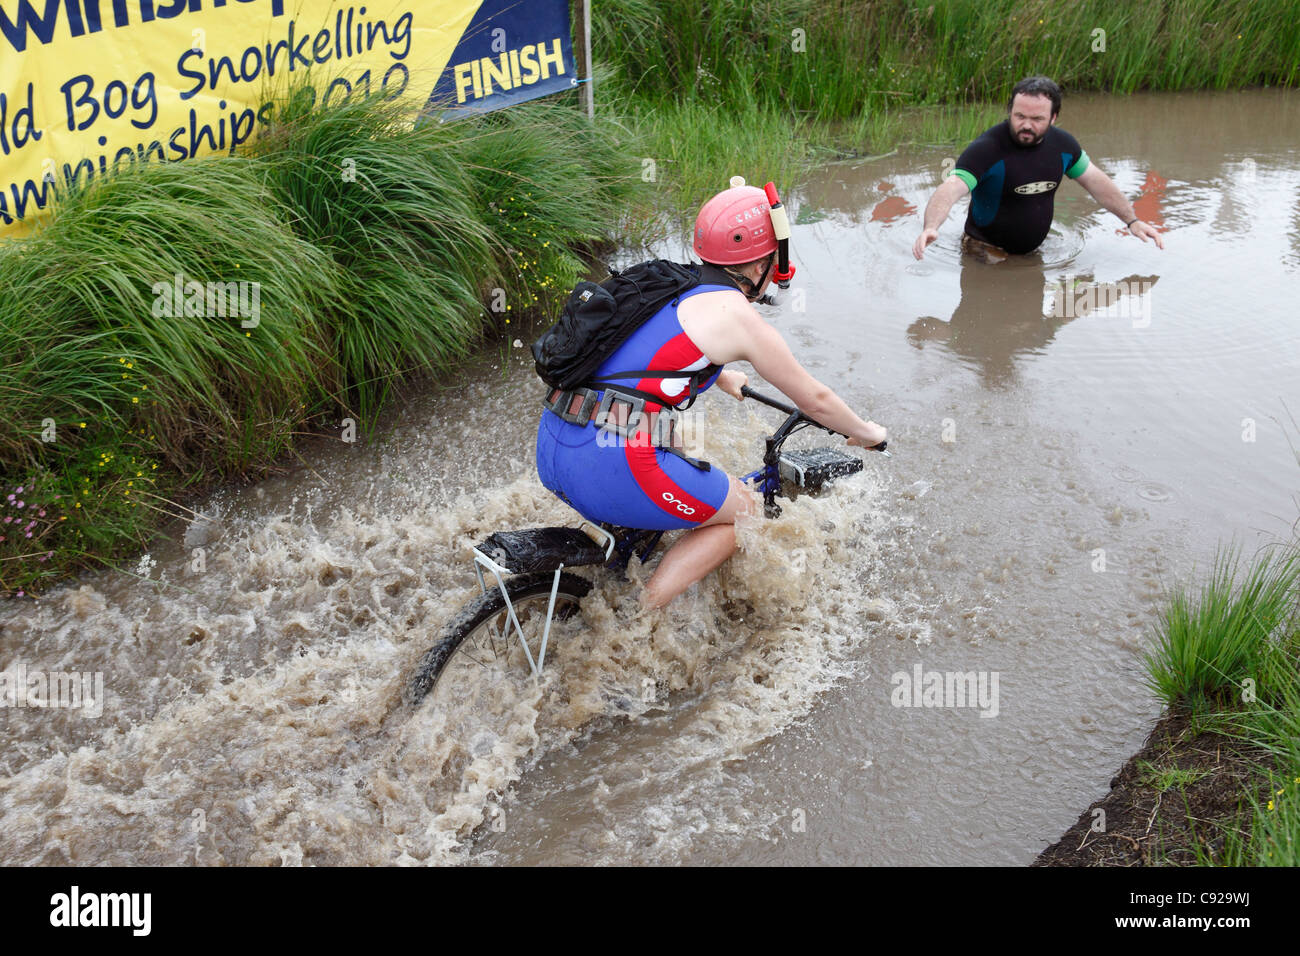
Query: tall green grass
553	188
391	208
1271	722
380	249
1232	653
1208	643
425	224
104	380
83	287
838	60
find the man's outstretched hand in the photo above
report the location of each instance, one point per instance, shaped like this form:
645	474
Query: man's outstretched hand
1145	231
926	237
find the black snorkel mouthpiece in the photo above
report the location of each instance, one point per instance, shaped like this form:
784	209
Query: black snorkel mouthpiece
781	230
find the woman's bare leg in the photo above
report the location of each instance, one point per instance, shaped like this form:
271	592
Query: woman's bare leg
700	550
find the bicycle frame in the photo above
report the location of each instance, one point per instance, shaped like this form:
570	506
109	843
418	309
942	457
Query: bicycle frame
767	480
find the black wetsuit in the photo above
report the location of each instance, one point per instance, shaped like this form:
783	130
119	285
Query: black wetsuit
1013	187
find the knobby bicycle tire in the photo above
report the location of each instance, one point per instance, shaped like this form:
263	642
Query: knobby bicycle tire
478	612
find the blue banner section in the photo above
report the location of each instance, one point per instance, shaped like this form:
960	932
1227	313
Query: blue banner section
513	50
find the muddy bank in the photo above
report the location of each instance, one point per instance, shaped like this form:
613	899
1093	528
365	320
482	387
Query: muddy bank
1175	800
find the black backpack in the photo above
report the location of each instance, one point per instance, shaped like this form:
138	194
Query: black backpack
599	317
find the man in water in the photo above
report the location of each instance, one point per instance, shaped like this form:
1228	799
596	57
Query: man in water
1012	172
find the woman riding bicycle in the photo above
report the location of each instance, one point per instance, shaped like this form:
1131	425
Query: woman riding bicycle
639	481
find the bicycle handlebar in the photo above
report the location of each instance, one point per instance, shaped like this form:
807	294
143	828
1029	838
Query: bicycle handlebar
781	406
791	410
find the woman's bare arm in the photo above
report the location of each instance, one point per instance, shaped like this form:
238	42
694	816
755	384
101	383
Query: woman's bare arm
736	332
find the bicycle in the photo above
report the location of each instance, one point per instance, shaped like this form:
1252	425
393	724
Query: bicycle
529	566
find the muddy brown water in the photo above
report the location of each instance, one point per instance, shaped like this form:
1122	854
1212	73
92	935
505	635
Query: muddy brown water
1074	431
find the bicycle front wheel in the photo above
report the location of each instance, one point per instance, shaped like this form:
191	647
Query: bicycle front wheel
480	645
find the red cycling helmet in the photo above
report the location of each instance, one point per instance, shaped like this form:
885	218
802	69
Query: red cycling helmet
735	226
743	224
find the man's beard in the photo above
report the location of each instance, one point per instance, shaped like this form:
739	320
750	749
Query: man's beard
1026	143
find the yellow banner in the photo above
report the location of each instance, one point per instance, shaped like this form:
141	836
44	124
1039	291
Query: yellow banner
88	84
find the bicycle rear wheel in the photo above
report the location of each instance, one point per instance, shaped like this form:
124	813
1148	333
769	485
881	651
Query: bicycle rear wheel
480	645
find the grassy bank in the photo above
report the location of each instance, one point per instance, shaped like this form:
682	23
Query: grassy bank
835	60
1262	708
1230	657
690	149
376	251
1218	781
379	252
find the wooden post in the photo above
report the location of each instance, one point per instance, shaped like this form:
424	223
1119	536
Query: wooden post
588	93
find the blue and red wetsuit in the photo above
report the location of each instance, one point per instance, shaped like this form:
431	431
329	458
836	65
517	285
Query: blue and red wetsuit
630	482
